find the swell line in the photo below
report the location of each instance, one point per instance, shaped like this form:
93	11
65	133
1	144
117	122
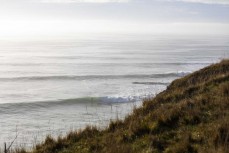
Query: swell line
152	83
24	106
90	77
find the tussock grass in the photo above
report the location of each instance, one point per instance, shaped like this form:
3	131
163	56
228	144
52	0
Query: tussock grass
191	116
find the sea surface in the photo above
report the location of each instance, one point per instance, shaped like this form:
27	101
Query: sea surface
52	86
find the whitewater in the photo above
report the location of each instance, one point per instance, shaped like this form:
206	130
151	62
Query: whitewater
49	87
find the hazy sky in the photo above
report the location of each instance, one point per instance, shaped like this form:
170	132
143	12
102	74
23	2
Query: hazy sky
21	17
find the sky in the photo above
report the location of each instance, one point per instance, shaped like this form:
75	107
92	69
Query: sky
52	17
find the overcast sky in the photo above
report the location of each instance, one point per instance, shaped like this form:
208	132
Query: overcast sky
36	16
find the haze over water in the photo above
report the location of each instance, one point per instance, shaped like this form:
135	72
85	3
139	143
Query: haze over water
52	86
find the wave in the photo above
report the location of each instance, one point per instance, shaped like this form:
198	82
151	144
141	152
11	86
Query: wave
152	83
102	100
172	74
91	77
30	106
86	63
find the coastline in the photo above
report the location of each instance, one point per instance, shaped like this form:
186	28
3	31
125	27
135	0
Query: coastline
178	119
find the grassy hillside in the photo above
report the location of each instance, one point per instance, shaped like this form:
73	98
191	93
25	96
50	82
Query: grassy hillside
191	116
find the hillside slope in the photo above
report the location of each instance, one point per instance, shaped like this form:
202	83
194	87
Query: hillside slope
191	116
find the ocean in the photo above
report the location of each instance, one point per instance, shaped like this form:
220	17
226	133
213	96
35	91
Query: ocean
53	86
